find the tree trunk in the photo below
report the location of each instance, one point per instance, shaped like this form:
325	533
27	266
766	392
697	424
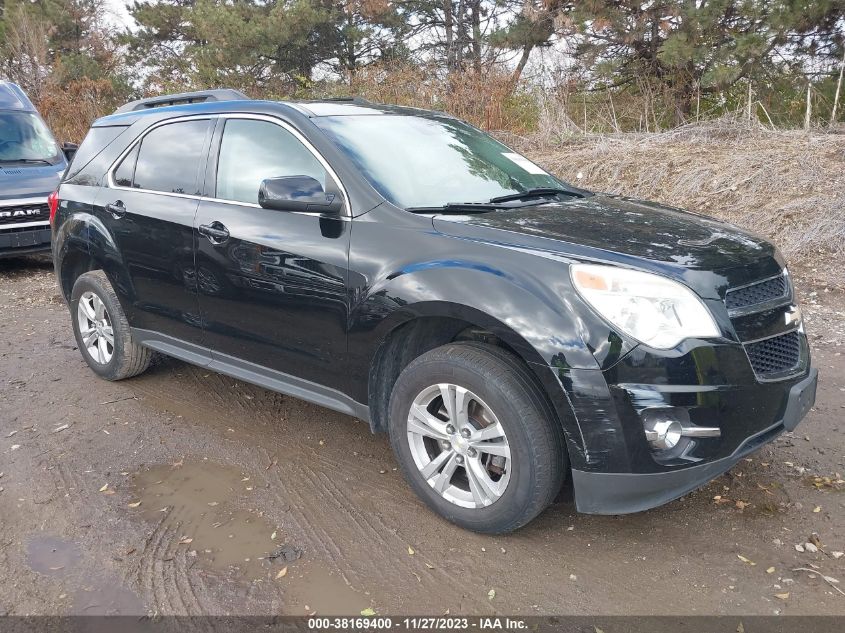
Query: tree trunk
523	60
476	35
449	25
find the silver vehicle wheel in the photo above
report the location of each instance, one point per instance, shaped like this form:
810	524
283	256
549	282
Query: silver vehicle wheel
95	328
459	446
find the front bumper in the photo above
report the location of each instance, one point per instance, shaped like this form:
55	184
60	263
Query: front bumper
626	492
24	242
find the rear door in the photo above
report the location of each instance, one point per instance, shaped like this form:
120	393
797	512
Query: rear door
149	208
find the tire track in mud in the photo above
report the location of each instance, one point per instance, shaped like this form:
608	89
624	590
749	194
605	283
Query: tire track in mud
163	572
370	554
316	486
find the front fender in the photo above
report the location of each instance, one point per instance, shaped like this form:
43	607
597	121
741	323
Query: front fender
557	331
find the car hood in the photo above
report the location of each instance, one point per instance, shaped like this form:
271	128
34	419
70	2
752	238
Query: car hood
25	181
627	232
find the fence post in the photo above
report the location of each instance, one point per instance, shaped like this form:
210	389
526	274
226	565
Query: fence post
838	88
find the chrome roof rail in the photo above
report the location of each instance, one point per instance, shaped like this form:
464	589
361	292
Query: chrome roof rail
183	98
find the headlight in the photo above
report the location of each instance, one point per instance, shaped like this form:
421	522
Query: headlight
652	309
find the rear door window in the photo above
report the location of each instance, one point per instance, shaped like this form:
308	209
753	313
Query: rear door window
170	158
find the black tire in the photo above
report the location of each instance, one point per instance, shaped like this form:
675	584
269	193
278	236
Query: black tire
128	358
538	454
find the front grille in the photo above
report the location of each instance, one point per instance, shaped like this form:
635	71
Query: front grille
775	355
23	213
755	294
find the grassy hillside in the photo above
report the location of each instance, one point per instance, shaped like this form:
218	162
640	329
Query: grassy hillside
786	185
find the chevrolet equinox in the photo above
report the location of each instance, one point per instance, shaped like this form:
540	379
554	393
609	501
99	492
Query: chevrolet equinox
505	328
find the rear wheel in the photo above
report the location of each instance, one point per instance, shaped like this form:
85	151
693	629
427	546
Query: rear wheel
102	331
475	437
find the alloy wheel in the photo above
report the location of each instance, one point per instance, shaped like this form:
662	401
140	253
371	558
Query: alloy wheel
459	446
95	327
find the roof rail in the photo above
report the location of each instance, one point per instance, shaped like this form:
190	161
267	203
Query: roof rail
355	99
222	94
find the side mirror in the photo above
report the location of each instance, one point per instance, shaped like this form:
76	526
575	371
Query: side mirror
298	193
69	150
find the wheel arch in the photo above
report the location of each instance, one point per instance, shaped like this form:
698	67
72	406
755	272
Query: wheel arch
432	324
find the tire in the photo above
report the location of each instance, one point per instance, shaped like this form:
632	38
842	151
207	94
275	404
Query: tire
499	389
126	358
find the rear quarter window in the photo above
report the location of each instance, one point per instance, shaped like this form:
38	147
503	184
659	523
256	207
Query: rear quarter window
97	139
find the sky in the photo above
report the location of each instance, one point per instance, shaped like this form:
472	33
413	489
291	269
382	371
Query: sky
118	15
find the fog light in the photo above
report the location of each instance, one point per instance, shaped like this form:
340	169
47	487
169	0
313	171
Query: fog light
662	431
664	427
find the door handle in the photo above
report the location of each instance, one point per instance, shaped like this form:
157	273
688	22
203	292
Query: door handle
216	232
117	209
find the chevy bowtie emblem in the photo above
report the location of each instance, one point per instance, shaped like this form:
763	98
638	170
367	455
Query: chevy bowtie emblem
793	315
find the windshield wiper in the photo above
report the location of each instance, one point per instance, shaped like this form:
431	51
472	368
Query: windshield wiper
538	192
459	207
26	161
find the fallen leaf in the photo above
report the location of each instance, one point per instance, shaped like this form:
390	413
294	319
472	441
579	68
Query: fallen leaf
134	504
282	573
368	611
411	551
817	509
212	503
273	536
61	428
745	560
104	488
430	566
185	541
491	594
770	570
782	596
742	505
831	579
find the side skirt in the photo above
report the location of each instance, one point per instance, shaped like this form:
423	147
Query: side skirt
252	373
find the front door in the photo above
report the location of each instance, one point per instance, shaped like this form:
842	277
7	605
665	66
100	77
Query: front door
149	209
272	284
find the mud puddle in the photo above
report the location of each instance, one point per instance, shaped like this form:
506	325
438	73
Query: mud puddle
313	589
52	556
202	502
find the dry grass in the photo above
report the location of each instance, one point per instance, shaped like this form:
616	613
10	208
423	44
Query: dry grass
786	185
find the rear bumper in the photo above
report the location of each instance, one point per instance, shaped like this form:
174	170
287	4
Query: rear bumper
25	242
623	493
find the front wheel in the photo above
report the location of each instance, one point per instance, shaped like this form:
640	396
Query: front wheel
475	437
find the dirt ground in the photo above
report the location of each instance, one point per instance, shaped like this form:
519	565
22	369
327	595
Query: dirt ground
186	492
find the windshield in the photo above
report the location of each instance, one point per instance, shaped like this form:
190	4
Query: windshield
25	137
419	162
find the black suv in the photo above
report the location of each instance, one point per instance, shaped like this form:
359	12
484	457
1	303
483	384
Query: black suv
400	266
